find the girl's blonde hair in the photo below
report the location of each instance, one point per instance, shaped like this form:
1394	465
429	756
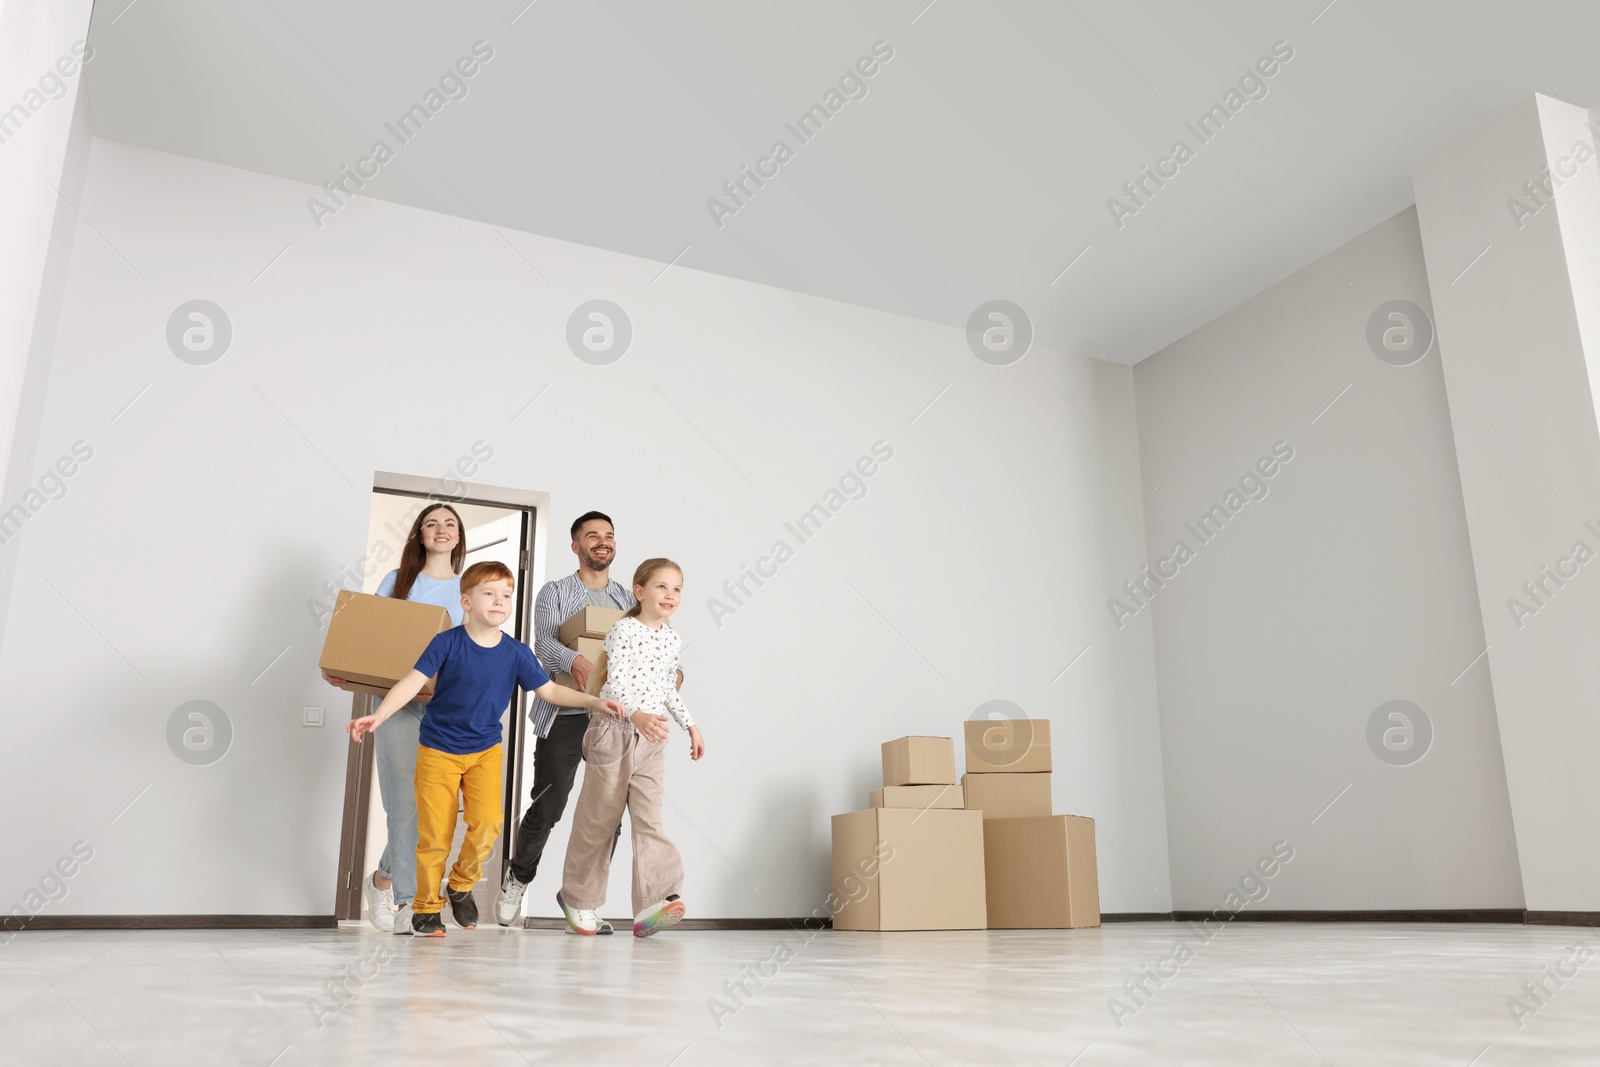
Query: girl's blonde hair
642	576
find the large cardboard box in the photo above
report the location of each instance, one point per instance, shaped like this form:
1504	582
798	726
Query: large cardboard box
592	649
919	761
1016	746
588	622
917	796
905	869
1041	873
1008	796
374	641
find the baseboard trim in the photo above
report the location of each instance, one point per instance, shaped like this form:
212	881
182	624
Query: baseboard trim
1563	918
623	923
1514	916
171	922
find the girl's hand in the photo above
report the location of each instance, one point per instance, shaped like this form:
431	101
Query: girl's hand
337	683
610	707
697	744
365	725
653	727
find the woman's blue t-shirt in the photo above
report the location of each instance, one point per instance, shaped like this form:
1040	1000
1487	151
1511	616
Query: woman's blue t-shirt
475	685
424	590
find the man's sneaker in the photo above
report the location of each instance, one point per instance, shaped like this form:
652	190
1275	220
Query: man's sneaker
380	905
463	908
658	917
605	928
402	919
580	920
427	924
508	905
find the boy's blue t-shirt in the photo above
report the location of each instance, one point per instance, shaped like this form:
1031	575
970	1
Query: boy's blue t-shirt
425	590
475	685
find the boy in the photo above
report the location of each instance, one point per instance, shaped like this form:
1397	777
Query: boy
459	753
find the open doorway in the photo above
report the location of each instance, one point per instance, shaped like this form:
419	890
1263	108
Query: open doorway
498	524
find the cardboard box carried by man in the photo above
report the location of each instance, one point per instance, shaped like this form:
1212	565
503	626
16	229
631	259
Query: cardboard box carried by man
585	632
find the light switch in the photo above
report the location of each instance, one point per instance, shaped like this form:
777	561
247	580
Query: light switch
310	716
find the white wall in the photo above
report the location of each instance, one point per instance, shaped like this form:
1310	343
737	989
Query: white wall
1348	585
1520	330
44	127
393	339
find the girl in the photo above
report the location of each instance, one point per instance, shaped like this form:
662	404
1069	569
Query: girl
626	758
429	573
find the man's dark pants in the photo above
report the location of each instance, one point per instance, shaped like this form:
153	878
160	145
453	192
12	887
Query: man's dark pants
555	768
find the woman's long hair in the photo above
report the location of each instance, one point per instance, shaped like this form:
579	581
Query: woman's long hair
415	555
641	577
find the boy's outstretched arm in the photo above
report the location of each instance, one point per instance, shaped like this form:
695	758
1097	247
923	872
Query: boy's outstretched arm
401	695
564	697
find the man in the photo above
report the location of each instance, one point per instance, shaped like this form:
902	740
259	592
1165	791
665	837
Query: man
559	749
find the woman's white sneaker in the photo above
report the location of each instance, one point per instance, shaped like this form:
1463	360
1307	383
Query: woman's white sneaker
380	906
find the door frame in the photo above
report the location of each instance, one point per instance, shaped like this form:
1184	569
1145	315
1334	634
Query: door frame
534	509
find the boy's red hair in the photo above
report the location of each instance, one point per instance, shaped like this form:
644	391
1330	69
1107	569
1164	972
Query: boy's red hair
490	570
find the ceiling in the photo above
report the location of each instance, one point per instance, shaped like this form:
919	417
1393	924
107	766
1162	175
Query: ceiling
977	165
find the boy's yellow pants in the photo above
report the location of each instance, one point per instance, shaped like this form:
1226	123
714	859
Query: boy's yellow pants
443	780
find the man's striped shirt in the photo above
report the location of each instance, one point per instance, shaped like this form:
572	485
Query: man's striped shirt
557	602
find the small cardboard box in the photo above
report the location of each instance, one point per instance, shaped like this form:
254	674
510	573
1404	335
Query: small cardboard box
1008	796
592	649
917	796
1016	746
903	869
374	641
1041	873
588	622
919	761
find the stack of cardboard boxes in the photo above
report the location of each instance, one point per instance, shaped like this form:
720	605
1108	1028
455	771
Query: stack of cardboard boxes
914	859
931	855
585	632
1039	867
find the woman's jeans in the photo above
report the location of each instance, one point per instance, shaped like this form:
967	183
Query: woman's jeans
397	772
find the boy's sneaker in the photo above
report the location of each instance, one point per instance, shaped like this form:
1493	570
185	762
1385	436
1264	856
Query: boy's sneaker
658	917
509	903
427	924
402	920
463	908
380	905
579	920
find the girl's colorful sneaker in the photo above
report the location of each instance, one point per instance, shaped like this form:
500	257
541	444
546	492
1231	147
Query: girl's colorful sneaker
580	920
659	916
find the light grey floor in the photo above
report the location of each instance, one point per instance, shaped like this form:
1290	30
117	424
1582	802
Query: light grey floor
1255	994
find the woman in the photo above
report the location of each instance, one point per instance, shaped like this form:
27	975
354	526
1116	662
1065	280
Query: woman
429	573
